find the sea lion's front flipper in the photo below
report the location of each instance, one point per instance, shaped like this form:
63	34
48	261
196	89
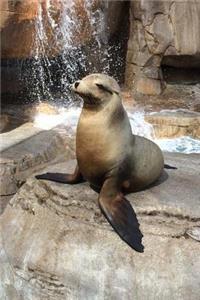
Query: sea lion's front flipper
63	178
120	214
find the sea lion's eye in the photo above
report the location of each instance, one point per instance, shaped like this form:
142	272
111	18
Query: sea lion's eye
104	88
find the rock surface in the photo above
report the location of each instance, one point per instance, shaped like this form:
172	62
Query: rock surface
161	29
175	123
19	158
4	122
17	24
57	245
18	135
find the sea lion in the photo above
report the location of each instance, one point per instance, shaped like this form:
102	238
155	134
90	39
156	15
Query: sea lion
110	157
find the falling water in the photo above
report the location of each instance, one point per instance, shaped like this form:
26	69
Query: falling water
59	58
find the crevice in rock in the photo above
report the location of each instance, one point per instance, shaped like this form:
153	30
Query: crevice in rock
47	283
170	6
166	214
154	16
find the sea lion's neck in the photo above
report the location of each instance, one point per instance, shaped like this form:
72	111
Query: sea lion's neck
104	107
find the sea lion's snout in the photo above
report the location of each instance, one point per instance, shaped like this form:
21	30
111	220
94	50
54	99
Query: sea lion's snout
76	84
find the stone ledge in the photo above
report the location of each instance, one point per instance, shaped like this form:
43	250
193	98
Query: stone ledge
175	123
21	159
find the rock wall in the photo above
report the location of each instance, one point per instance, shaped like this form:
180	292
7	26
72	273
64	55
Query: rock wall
160	29
17	27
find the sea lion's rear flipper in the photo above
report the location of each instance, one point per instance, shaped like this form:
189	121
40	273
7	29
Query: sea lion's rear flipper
120	214
63	178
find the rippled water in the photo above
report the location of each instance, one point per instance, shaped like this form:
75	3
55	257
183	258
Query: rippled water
69	117
183	144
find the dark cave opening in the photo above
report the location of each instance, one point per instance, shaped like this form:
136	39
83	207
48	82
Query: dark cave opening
183	69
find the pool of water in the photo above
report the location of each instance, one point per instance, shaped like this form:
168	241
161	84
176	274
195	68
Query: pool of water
184	144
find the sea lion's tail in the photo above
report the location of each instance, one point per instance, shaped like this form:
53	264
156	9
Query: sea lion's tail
169	167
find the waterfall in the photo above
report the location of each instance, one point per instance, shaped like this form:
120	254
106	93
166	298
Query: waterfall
59	57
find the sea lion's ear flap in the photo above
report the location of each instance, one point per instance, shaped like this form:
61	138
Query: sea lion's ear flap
104	87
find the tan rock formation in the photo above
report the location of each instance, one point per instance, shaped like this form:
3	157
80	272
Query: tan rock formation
160	29
17	27
175	123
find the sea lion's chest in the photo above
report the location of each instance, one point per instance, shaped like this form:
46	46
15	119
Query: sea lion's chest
99	147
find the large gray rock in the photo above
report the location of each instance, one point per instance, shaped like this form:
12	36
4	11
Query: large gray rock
160	29
57	245
19	158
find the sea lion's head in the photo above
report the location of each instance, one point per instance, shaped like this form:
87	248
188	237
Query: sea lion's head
96	89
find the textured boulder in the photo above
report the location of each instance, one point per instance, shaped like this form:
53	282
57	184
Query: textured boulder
161	29
19	158
57	245
17	27
175	123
